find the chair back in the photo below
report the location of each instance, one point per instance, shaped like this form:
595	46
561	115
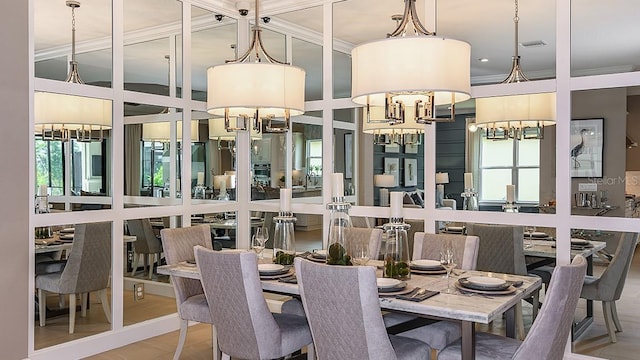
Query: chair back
246	327
146	240
365	235
89	264
427	246
178	244
548	334
343	310
451	203
611	282
500	249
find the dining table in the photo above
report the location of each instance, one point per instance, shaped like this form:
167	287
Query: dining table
466	308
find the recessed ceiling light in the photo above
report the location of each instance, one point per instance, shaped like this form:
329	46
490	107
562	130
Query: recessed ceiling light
483	60
533	43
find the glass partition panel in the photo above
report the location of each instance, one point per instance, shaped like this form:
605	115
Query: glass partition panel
308	56
344	148
147	294
150	156
307	166
72	152
52	39
602	183
212	42
153	59
72	248
609	49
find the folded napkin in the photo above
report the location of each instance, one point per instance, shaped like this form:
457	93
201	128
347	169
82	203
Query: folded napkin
413	297
289	279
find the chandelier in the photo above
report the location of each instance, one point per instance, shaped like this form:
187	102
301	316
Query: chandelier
269	93
62	117
408	76
516	116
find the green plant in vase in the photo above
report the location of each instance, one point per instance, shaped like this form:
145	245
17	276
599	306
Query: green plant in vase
396	269
283	258
337	255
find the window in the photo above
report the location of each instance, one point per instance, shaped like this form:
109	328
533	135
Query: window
50	165
154	156
88	168
504	162
314	157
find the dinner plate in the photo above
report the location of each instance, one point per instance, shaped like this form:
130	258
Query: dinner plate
67	231
316	259
388	284
402	291
536	234
429	272
580	242
507	291
319	254
486	281
188	263
454	229
425	264
271	269
287	272
498	286
66	237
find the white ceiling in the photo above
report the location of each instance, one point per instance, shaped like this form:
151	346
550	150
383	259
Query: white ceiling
605	34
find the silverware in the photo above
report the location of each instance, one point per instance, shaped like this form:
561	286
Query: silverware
420	292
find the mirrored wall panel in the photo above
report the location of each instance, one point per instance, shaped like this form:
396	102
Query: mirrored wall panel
72	152
55	25
153	47
71	260
152	155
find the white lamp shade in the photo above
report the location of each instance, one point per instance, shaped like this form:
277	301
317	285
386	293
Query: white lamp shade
520	110
410	126
161	131
245	87
411	64
442	178
219	181
73	112
384	180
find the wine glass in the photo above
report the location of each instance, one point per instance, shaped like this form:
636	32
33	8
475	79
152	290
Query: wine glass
529	230
360	254
259	239
448	261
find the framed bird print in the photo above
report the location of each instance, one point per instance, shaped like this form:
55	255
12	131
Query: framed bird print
587	139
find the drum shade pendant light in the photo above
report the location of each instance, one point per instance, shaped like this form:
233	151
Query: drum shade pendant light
262	91
61	117
410	74
517	116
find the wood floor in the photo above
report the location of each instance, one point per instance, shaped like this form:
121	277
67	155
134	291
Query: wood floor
593	342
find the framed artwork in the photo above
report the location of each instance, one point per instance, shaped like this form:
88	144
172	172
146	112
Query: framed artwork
411	149
348	156
587	140
392	167
393	148
410	172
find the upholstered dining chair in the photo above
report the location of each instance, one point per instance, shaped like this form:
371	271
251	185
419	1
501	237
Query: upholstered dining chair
549	332
88	269
246	327
146	245
342	306
608	287
178	244
427	246
365	235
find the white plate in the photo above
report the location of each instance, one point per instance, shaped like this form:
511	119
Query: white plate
67	231
579	242
388	282
426	264
270	267
455	228
537	234
486	281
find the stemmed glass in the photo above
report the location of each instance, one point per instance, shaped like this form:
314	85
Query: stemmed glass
360	254
448	261
529	230
259	239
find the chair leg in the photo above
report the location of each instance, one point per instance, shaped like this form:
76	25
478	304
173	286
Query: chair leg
311	352
105	304
184	325
616	321
536	304
72	312
606	310
226	357
42	304
152	258
217	354
134	266
519	321
84	297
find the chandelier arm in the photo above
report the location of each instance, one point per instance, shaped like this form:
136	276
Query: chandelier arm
416	22
246	54
400	28
266	54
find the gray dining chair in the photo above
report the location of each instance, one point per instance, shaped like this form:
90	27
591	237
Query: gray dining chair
427	246
87	269
548	334
343	309
608	287
371	236
246	327
147	245
191	302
